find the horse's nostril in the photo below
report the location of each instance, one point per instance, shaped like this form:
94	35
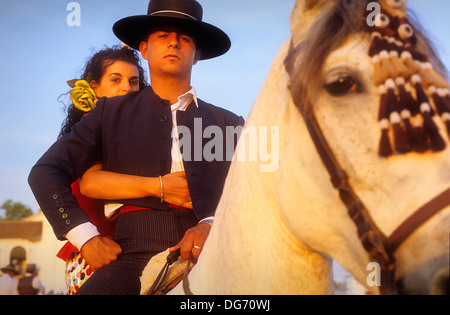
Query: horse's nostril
441	285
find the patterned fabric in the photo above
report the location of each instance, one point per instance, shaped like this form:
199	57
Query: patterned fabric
408	86
77	272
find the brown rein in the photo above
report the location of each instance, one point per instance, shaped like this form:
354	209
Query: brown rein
416	220
380	248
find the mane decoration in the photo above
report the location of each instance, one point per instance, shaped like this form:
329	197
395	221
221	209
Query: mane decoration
412	93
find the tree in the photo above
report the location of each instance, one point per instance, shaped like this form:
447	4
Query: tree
15	210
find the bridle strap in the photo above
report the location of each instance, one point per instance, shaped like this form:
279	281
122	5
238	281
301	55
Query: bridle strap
416	220
370	235
171	259
186	286
380	248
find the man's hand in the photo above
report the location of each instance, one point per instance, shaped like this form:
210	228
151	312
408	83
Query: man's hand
100	251
193	240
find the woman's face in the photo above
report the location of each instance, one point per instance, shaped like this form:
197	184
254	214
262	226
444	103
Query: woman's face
120	78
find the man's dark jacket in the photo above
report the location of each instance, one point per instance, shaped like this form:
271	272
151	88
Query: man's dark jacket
132	135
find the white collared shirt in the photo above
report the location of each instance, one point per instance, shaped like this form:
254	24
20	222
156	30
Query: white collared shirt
8	285
183	102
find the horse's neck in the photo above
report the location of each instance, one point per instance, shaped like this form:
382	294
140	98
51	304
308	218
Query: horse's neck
250	250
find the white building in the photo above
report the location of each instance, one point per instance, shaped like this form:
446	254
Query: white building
32	241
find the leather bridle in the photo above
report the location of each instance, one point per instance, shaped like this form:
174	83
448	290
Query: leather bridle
380	248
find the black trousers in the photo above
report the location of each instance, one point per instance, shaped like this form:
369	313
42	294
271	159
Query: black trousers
142	235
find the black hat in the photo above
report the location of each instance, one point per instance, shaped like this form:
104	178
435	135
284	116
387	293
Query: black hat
8	268
184	14
32	268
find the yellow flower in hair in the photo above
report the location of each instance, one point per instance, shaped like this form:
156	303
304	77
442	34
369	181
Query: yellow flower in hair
83	96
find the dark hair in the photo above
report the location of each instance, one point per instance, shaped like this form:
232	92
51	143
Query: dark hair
94	70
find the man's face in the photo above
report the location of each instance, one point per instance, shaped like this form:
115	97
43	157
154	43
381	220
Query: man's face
170	53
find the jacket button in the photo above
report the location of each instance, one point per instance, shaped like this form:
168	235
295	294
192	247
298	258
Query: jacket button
67	222
61	210
55	196
163	119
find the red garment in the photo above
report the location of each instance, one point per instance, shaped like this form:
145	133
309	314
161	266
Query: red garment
129	209
95	211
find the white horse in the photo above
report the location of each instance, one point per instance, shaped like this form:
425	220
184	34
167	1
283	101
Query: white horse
278	232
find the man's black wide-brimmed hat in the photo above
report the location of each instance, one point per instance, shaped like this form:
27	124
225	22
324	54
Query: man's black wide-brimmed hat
186	15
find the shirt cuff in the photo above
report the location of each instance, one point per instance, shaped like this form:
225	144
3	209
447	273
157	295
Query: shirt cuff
82	234
111	209
206	219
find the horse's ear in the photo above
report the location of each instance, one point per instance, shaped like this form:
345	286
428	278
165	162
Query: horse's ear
304	13
309	4
301	6
393	3
394	7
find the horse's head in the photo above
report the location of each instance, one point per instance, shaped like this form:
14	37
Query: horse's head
360	72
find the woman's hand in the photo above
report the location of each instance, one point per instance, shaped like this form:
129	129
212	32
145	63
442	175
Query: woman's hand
176	190
100	184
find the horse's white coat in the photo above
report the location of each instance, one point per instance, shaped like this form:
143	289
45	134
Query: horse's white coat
276	233
250	249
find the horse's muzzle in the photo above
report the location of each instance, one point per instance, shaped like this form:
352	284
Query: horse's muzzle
440	284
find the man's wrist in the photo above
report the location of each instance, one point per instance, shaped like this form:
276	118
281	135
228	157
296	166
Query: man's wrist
81	234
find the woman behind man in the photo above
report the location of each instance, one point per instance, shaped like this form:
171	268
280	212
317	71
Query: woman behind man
110	72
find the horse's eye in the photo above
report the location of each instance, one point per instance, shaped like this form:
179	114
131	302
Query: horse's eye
342	86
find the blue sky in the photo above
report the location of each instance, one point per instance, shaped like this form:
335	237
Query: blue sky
40	52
